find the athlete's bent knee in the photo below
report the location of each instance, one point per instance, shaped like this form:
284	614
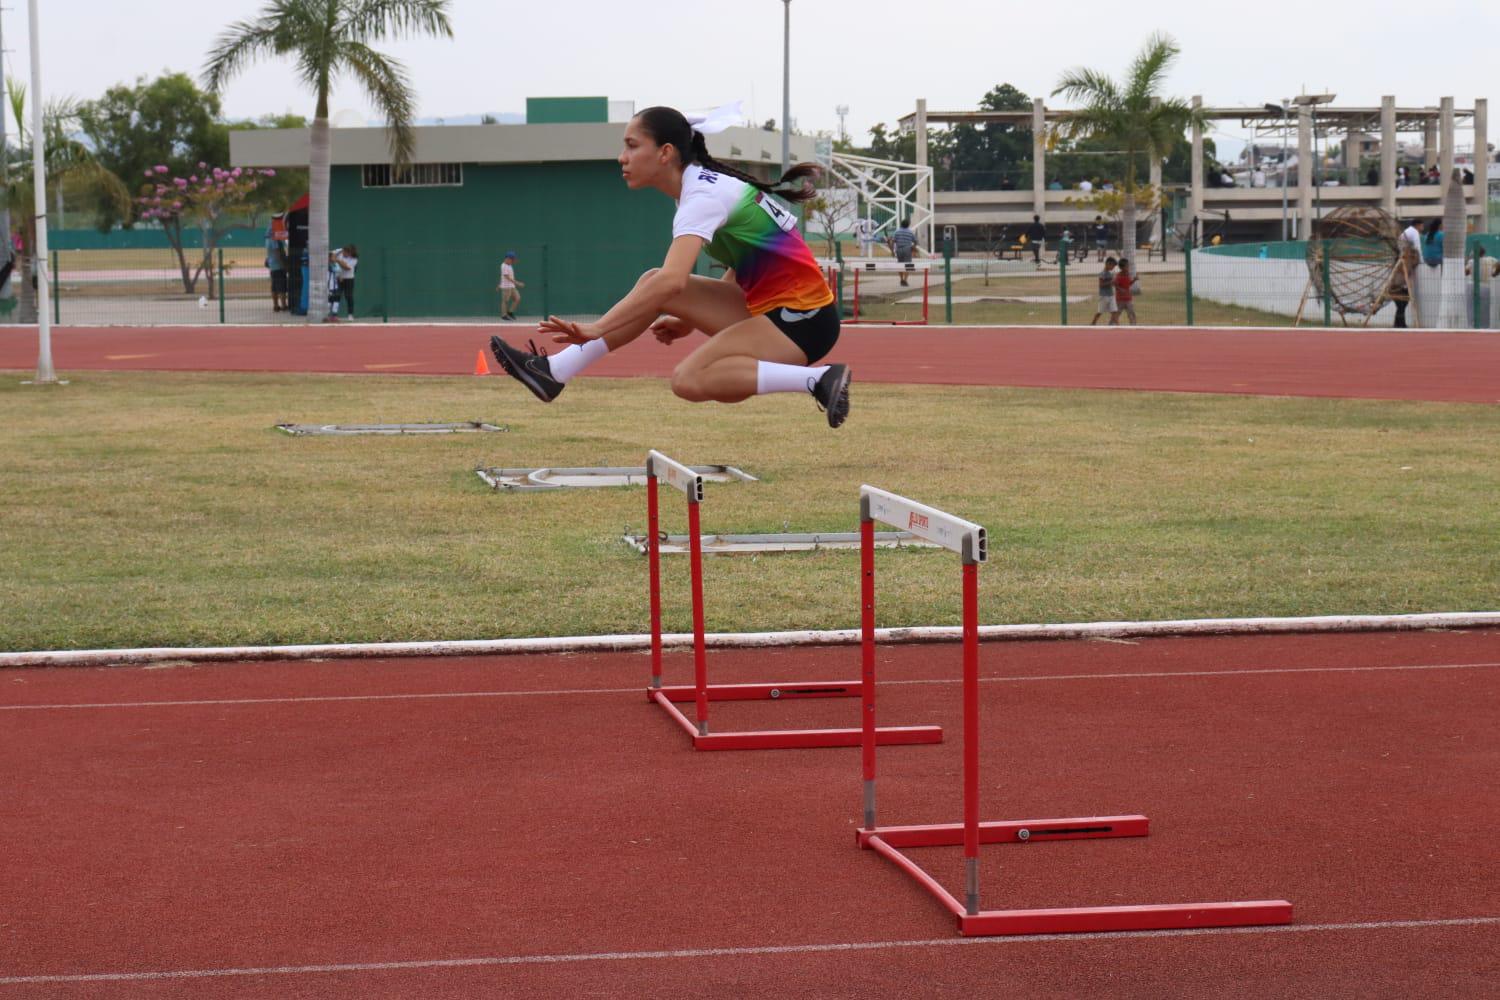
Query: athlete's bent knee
687	384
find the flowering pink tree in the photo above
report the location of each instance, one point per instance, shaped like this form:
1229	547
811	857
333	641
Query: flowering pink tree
208	200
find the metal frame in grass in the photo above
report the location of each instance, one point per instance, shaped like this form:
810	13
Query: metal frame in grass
701	693
968	540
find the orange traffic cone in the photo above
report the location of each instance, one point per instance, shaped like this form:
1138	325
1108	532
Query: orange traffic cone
481	367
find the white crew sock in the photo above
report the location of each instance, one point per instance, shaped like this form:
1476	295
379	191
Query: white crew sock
575	358
770	376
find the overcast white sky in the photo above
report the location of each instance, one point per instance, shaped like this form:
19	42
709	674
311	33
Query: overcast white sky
876	56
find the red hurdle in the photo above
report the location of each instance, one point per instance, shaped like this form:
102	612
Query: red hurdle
702	693
969	541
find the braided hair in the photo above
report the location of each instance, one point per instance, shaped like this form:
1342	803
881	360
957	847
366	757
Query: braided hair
668	127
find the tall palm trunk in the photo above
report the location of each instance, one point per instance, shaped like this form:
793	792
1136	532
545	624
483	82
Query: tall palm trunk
317	217
1128	230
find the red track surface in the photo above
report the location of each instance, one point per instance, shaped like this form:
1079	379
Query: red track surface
1443	367
536	806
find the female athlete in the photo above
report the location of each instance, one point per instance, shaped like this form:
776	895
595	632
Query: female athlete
769	321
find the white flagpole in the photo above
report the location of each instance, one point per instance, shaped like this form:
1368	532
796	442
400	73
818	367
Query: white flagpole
44	370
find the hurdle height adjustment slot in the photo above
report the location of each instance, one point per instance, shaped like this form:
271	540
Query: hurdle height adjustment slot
970	542
659	467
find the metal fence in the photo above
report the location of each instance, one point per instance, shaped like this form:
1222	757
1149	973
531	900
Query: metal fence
1058	283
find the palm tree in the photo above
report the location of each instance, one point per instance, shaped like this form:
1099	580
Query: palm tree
327	38
1132	114
64	160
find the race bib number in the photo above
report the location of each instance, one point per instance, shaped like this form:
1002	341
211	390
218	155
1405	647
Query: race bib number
784	220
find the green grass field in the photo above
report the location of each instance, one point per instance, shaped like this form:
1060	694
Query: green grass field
150	509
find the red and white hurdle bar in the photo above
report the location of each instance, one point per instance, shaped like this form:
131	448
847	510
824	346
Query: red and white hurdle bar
969	541
855	267
701	693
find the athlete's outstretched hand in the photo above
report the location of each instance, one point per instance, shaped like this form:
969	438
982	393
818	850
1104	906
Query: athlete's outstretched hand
566	331
669	328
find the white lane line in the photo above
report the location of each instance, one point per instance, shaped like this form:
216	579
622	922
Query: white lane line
789	949
554	692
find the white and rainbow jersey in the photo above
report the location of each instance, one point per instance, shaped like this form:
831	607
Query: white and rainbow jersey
751	232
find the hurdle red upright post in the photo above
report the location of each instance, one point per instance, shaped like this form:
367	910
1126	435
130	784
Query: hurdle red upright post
969	541
653	557
867	660
690	482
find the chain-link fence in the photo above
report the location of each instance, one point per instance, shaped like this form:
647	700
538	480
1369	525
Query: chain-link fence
1055	283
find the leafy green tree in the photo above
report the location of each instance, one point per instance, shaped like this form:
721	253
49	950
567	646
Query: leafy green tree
1133	115
168	120
326	39
64	160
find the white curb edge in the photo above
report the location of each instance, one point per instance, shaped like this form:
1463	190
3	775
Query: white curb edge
831	637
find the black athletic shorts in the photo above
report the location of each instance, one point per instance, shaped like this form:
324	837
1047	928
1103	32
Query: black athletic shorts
278	282
815	332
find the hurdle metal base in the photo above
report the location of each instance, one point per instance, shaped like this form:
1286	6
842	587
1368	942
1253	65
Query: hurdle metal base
782	739
887	841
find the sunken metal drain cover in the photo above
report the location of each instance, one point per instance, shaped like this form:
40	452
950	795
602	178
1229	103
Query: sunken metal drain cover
725	545
597	476
461	427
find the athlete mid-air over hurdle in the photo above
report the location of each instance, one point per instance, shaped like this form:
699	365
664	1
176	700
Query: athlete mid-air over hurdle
769	321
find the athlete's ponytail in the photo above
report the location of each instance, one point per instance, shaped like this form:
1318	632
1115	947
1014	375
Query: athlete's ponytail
668	126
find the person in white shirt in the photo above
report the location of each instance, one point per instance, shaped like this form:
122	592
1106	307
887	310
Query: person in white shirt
1085	186
347	259
864	230
1413	235
510	295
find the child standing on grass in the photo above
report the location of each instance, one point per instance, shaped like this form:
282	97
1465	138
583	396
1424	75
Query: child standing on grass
1126	285
1107	295
510	285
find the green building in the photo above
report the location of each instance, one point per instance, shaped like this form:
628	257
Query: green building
431	238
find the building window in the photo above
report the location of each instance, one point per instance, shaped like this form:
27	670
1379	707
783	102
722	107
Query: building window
414	175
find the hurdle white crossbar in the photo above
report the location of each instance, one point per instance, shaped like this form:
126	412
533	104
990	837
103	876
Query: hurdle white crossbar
969	541
927	523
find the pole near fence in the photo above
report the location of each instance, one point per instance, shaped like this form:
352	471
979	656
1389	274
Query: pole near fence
385	285
221	285
1327	289
838	274
1187	272
1064	247
1478	323
56	292
948	280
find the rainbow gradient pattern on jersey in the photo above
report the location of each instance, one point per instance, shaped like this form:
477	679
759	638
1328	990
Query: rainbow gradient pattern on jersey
772	264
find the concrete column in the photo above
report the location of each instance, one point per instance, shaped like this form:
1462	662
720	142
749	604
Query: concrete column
1038	156
1304	171
1195	186
1480	196
1429	142
921	144
1445	156
1388	154
1351	156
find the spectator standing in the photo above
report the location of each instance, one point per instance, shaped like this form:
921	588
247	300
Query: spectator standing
1412	234
903	244
864	231
1107	295
332	285
276	263
1036	236
1100	232
1432	244
1400	290
1126	285
1086	185
510	286
348	260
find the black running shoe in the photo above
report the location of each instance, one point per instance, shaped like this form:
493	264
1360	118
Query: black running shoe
531	368
832	393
